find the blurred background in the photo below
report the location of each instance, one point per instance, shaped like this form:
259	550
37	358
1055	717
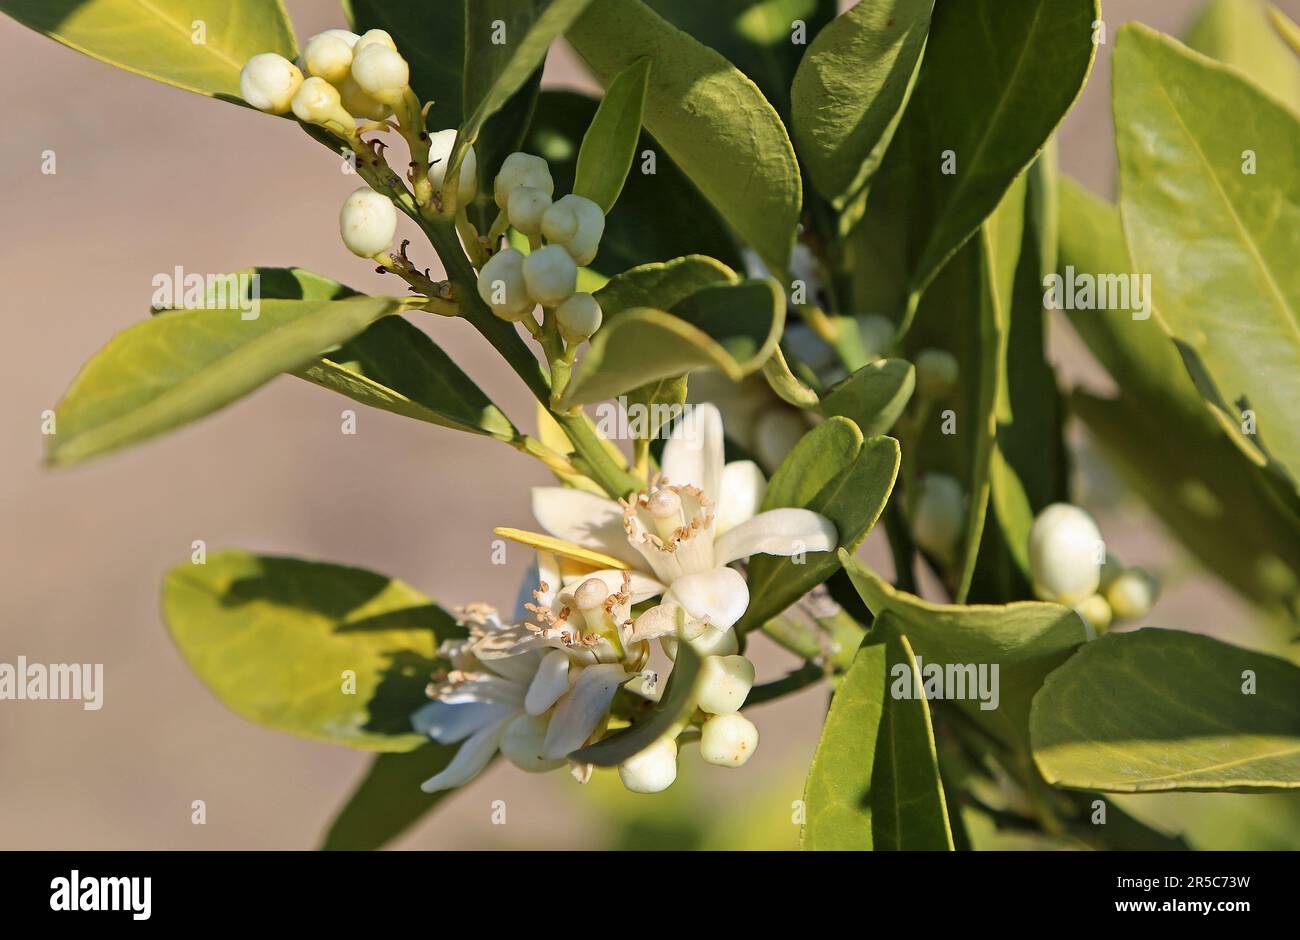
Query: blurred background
148	178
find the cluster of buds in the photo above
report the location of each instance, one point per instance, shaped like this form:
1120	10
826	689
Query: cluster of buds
1070	565
564	234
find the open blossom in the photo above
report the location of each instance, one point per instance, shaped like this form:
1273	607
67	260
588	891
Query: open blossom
681	532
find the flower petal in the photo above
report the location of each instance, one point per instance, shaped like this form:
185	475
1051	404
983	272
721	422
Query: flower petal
447	723
693	454
472	757
586	519
743	486
720	596
551	681
660	620
582	708
643	586
777	532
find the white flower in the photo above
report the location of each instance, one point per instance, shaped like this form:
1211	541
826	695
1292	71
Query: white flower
521	169
441	144
682	531
328	56
501	285
380	71
1065	554
268	82
577	223
550	275
728	740
578	318
367	222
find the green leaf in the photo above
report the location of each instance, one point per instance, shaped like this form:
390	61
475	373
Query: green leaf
731	327
1286	28
833	471
874	780
662	284
609	145
184	364
788	387
659	215
675	703
1025	640
278	639
1238	33
494	72
1161	710
850	91
708	116
874	396
431	37
1171	106
156	39
996	79
388	801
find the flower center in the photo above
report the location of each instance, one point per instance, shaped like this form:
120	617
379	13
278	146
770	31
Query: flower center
672	526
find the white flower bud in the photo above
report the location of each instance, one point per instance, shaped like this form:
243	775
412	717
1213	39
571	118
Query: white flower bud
1096	611
550	275
522	169
578	318
723	683
328	56
728	740
501	285
936	373
440	147
360	104
268	82
367	222
522	744
1132	594
708	642
584	240
939	515
652	769
381	72
877	334
524	209
1065	554
317	102
372	37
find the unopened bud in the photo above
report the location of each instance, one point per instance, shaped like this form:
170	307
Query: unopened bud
367	223
268	82
1132	594
441	144
578	318
1065	554
652	769
1096	611
939	515
723	683
380	72
358	103
317	102
582	241
728	740
550	275
501	285
328	56
524	209
521	169
936	373
374	37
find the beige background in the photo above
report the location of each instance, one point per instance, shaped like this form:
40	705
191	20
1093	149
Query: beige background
82	551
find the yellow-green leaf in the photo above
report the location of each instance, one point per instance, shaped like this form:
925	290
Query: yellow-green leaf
610	142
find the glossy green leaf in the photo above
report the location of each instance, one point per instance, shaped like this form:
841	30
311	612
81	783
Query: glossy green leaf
1165	710
280	641
996	79
430	34
609	145
833	471
184	364
388	800
659	216
662	284
874	780
1222	239
1238	32
874	396
198	45
708	116
731	327
677	700
494	72
851	88
1026	640
788	387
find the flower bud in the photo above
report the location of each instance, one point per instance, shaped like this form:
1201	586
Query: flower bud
522	744
1065	554
877	334
578	318
360	104
728	740
710	641
374	37
1132	594
317	102
651	769
723	683
381	72
936	373
1096	611
939	515
268	82
583	240
328	56
524	209
367	222
440	147
501	285
522	169
550	275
